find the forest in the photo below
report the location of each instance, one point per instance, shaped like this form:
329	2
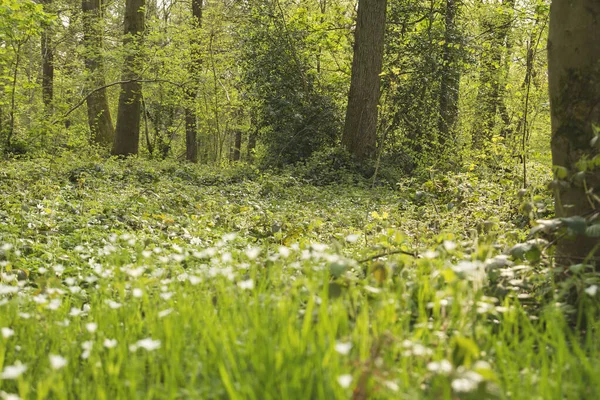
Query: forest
299	199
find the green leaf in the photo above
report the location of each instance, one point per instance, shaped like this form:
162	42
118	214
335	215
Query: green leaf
593	231
337	269
560	172
577	224
518	251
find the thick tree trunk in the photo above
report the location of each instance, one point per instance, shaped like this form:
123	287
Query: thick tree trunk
99	118
127	135
191	126
574	78
360	128
450	78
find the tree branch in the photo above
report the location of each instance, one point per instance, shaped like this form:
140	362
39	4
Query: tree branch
80	102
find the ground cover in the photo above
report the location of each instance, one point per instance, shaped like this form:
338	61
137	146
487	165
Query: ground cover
125	279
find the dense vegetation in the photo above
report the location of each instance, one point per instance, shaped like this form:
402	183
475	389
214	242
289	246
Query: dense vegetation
134	279
299	199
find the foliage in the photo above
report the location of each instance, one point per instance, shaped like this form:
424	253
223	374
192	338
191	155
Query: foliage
295	112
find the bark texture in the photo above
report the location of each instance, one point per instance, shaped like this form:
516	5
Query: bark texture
360	127
99	118
574	79
127	134
191	126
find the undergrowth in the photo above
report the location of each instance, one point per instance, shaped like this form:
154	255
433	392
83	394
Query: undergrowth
126	279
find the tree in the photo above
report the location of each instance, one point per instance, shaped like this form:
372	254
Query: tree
497	25
47	63
360	127
127	133
574	78
191	128
450	75
99	119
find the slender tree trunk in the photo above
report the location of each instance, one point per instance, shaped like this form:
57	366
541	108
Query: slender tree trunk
127	134
191	126
507	129
237	145
488	97
251	144
450	79
574	84
99	118
360	128
47	65
13	95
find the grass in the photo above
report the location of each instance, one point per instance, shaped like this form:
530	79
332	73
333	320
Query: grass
124	280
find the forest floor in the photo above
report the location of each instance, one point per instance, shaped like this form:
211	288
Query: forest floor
131	279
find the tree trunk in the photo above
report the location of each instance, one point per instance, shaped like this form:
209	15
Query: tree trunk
99	118
488	96
191	126
360	127
237	146
47	64
450	79
252	136
127	135
574	85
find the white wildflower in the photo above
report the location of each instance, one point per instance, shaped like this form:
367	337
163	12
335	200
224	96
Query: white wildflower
137	293
7	332
352	238
147	344
345	380
54	304
468	382
247	285
166	296
462	385
442	367
164	313
91	327
343	347
226	257
449	245
229	237
194	280
592	290
319	247
6	289
393	386
110	343
253	252
87	349
8	396
135	272
13	371
284	251
57	362
75	312
113	304
430	254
